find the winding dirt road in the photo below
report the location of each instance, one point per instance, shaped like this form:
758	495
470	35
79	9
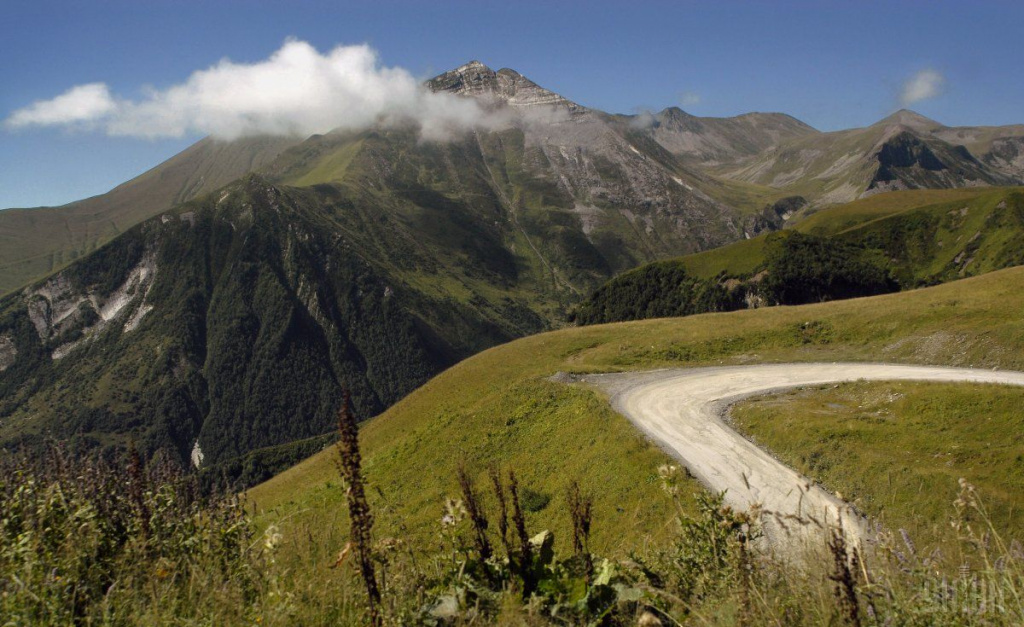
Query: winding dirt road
682	410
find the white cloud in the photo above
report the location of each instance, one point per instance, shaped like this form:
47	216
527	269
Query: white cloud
923	85
297	91
85	103
689	98
642	119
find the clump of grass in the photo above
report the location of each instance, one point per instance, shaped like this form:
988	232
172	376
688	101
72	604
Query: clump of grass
494	473
519	522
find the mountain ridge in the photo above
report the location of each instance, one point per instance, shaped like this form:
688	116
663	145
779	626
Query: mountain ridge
371	260
732	165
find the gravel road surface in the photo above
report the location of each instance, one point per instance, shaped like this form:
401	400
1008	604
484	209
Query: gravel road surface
683	409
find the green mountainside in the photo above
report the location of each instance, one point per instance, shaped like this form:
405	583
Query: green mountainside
236	321
365	261
881	244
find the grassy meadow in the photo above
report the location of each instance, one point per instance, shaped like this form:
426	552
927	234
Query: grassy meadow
497	407
897	450
859	219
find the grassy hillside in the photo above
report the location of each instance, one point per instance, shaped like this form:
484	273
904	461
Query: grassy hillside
897	450
497	407
743	257
890	241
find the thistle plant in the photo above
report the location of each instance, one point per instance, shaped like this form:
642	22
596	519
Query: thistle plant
581	513
349	464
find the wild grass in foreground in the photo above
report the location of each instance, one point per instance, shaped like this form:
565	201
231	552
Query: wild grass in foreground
107	543
713	570
94	541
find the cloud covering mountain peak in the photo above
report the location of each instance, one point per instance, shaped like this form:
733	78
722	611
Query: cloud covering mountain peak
297	91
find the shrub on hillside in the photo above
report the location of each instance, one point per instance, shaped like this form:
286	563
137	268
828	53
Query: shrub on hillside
807	269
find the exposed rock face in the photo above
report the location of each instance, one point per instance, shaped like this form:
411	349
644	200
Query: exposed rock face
1007	154
8	351
196	457
55	306
508	86
906	151
905	161
773	217
57	309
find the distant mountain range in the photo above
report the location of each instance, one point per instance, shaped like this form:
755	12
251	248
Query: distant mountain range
218	304
903	151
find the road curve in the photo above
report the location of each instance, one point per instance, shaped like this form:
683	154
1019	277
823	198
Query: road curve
682	410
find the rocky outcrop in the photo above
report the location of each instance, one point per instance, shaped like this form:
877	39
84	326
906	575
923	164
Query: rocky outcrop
506	86
906	151
59	310
1007	155
774	216
627	191
906	161
8	351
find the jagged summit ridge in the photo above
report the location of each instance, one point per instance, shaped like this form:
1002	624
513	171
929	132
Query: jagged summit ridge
506	85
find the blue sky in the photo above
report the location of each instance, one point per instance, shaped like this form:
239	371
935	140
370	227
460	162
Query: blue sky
831	64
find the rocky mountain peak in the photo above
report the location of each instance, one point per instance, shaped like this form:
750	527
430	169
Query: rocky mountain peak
506	85
909	119
471	79
674	113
